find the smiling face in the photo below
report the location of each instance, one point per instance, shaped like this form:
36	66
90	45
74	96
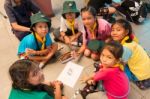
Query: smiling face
88	19
41	29
107	58
118	33
36	76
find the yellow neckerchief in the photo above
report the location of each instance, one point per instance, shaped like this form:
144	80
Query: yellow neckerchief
127	37
92	30
120	66
41	40
124	40
71	25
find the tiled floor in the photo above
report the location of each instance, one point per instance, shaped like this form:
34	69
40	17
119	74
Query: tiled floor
8	49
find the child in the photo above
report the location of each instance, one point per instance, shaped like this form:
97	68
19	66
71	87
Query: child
71	27
97	30
38	46
134	55
28	82
114	80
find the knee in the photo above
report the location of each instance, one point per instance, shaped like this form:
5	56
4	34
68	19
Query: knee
87	52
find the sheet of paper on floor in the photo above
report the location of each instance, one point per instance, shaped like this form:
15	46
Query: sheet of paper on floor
70	74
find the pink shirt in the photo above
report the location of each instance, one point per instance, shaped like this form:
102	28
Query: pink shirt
115	82
104	29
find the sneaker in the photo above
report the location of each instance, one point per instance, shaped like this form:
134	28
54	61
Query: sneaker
96	66
87	90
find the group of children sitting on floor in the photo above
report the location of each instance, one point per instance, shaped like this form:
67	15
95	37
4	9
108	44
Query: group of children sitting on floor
121	57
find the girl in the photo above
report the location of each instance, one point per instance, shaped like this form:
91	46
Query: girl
96	30
38	46
134	55
114	80
27	82
71	26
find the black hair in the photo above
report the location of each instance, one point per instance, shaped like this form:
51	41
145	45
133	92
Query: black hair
127	26
89	9
93	13
115	48
19	73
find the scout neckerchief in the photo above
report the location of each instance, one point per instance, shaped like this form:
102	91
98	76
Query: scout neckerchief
120	66
92	30
41	40
124	40
71	25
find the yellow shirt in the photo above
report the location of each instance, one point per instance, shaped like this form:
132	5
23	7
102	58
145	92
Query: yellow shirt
139	62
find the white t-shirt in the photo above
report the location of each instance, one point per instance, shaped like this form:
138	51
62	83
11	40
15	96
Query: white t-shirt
78	25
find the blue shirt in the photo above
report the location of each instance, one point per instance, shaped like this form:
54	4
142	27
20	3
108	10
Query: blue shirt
29	42
127	53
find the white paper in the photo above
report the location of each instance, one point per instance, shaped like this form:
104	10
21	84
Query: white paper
70	74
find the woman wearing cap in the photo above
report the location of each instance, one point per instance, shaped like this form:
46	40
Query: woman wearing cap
38	46
71	26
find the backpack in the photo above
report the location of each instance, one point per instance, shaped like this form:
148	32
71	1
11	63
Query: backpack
136	10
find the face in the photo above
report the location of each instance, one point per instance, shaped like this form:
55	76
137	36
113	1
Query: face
88	19
70	16
41	29
107	59
118	32
36	76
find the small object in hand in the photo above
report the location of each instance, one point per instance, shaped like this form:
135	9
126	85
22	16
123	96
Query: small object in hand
88	89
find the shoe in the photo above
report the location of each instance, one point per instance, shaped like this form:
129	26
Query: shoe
87	90
96	66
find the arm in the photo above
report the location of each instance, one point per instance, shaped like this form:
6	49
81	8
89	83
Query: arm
18	27
74	38
82	48
127	53
45	58
87	78
58	92
12	18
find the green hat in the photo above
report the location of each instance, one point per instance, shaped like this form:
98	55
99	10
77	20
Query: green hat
39	17
70	6
95	45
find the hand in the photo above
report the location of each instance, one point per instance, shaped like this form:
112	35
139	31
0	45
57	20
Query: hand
67	40
91	82
73	38
84	79
57	83
30	51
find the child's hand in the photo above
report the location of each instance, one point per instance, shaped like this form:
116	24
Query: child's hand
57	83
30	51
67	40
91	82
84	79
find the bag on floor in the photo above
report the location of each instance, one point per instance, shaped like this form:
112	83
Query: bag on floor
136	10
